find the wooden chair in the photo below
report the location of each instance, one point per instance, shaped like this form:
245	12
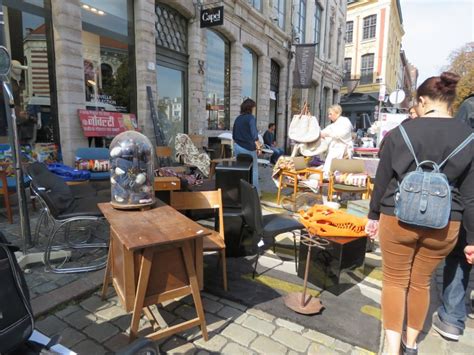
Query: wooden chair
226	143
205	200
354	166
164	155
293	178
200	143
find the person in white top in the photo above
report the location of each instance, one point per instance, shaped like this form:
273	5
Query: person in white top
338	136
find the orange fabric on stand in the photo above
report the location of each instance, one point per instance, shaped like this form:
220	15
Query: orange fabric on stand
327	222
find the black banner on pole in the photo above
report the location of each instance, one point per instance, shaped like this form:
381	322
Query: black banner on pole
212	17
304	62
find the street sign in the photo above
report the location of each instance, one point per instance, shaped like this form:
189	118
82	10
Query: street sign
212	17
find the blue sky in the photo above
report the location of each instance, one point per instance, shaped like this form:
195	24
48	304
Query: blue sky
433	29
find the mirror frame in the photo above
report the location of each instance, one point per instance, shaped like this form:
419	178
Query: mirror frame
5	57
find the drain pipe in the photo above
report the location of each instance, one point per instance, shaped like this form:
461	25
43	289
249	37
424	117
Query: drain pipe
323	67
288	68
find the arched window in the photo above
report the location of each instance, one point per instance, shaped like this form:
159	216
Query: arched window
217	81
249	74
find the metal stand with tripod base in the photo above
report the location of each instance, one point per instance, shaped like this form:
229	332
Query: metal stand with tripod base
300	302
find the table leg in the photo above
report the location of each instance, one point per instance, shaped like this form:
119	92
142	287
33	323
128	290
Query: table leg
199	262
107	275
151	317
144	275
188	257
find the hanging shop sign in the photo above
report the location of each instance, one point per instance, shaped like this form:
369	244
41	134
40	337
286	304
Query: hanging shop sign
212	17
304	61
103	123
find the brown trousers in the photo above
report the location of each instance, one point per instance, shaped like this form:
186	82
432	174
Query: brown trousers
409	257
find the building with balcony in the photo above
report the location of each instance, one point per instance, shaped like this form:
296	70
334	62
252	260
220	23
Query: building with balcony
374	31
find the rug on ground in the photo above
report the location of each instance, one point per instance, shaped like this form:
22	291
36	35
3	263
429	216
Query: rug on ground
353	316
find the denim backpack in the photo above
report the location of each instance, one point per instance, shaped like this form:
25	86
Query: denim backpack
423	197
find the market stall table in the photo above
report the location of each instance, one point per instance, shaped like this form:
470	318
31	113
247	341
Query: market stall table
154	256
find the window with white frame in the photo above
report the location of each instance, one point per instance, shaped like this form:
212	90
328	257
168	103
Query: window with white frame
367	69
279	12
317	26
349	31
301	21
370	24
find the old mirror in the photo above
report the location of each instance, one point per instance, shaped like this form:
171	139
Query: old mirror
5	63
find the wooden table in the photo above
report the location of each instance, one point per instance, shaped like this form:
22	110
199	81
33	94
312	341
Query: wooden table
154	256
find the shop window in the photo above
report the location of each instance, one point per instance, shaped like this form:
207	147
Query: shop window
171	71
107	37
296	101
171	29
274	92
217	71
29	42
249	74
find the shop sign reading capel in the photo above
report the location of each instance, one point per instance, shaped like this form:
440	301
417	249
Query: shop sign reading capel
212	17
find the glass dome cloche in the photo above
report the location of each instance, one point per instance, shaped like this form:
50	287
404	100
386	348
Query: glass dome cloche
131	171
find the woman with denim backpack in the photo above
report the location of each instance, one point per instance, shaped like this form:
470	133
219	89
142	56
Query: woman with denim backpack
410	253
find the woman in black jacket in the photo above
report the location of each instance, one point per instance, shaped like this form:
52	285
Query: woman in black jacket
410	254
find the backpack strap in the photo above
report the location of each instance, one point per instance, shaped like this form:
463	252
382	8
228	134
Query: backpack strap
458	149
408	143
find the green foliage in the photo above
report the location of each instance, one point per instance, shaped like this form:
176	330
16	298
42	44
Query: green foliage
461	62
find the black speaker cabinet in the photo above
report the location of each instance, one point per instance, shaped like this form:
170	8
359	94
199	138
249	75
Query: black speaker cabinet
228	175
329	264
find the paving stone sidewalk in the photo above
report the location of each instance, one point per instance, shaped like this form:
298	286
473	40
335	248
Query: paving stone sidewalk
93	326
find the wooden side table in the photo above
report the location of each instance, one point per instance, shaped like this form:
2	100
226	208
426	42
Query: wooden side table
167	183
154	256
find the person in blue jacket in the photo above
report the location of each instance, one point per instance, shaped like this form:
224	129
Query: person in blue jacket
245	136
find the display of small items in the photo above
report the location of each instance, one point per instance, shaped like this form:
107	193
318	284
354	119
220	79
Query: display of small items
131	171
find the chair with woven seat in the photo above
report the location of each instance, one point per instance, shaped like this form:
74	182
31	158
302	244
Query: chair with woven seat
206	200
295	178
63	208
348	166
265	227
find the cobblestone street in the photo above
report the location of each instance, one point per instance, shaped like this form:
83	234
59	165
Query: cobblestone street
95	327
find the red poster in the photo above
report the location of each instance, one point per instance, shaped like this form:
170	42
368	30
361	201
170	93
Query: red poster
103	123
